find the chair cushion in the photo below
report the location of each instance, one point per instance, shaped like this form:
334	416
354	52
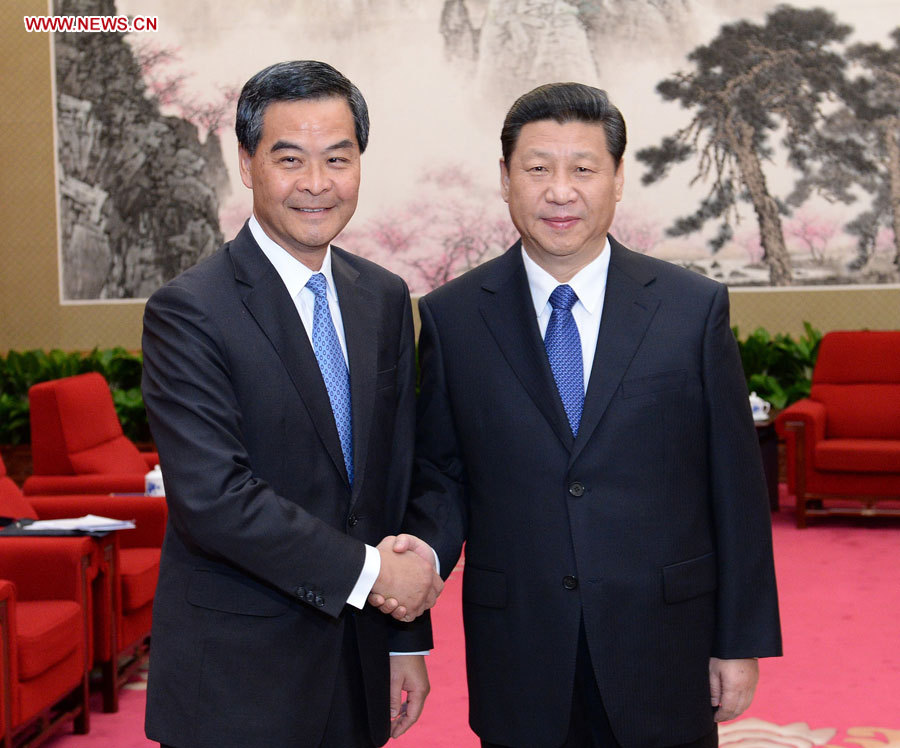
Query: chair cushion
858	455
116	456
48	631
860	411
855	356
12	503
139	568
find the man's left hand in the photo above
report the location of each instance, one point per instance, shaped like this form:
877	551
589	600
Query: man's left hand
408	673
731	686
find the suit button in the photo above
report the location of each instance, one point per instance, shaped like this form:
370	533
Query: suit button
310	596
570	583
301	592
352	520
576	488
320	601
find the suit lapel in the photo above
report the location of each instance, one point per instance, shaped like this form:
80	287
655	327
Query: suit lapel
628	308
358	307
266	298
508	312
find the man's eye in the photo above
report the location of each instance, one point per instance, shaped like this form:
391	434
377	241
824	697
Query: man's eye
582	169
538	168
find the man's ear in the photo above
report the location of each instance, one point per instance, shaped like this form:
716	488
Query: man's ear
620	179
244	160
504	181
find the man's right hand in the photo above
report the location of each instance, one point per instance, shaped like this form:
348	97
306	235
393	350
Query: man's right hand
407	578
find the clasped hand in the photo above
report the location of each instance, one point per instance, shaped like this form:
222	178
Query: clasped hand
407	584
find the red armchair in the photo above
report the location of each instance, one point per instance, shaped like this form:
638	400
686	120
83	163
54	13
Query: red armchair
77	442
44	636
843	442
123	593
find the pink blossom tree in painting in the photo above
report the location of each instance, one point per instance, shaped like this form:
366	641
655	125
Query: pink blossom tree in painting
813	232
451	226
636	229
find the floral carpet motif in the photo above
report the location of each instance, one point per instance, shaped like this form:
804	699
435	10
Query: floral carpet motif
757	733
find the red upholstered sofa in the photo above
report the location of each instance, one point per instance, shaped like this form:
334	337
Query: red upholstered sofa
129	564
843	442
44	636
77	443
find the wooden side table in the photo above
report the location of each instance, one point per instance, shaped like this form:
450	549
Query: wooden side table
768	447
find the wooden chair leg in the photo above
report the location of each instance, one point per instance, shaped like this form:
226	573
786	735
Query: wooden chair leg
83	720
801	511
110	687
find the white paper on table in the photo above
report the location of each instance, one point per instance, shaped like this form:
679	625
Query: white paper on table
88	523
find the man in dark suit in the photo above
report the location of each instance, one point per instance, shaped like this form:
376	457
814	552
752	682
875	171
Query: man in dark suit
279	383
584	428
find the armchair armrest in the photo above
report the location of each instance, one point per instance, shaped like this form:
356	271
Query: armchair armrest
801	425
9	658
151	458
45	567
148	512
809	413
94	483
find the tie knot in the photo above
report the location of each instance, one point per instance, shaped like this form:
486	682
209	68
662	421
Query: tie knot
317	284
563	297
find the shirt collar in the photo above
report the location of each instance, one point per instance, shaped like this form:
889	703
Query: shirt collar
293	273
589	283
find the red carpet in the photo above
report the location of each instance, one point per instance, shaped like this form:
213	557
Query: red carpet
838	684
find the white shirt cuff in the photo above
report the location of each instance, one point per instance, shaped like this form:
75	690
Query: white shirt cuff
370	571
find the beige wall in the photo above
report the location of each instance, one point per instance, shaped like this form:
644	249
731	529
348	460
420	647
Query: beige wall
31	315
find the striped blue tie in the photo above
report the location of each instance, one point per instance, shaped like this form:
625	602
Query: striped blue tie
563	346
334	368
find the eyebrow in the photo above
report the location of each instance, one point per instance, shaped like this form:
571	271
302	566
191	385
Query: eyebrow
287	145
547	154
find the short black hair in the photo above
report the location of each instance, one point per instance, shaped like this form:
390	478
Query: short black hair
293	81
565	102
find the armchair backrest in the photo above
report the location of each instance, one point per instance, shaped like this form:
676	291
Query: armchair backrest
857	379
75	429
12	502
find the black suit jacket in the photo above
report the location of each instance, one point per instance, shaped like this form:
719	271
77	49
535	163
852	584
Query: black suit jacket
266	538
652	525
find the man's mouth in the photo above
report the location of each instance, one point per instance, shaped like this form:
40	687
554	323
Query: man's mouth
561	222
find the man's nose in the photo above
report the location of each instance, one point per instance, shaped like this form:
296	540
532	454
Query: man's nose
561	189
315	180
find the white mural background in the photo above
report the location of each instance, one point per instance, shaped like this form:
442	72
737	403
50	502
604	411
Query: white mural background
439	76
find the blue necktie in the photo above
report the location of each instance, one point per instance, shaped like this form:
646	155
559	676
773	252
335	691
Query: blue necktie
563	345
334	368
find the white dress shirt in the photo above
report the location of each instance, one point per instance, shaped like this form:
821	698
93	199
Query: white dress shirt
589	285
295	275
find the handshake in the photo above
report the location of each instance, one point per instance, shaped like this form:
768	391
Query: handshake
407	584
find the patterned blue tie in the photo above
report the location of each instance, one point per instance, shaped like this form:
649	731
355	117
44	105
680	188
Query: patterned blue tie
563	346
334	368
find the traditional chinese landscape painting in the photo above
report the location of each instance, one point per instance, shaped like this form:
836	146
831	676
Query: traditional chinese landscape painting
763	138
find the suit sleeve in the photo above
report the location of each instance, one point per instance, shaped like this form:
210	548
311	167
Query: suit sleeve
747	606
437	510
415	636
215	501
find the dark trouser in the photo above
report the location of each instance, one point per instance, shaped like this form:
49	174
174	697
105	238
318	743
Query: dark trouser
348	721
589	725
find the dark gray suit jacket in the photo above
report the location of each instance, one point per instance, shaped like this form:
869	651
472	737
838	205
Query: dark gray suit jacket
653	525
266	538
